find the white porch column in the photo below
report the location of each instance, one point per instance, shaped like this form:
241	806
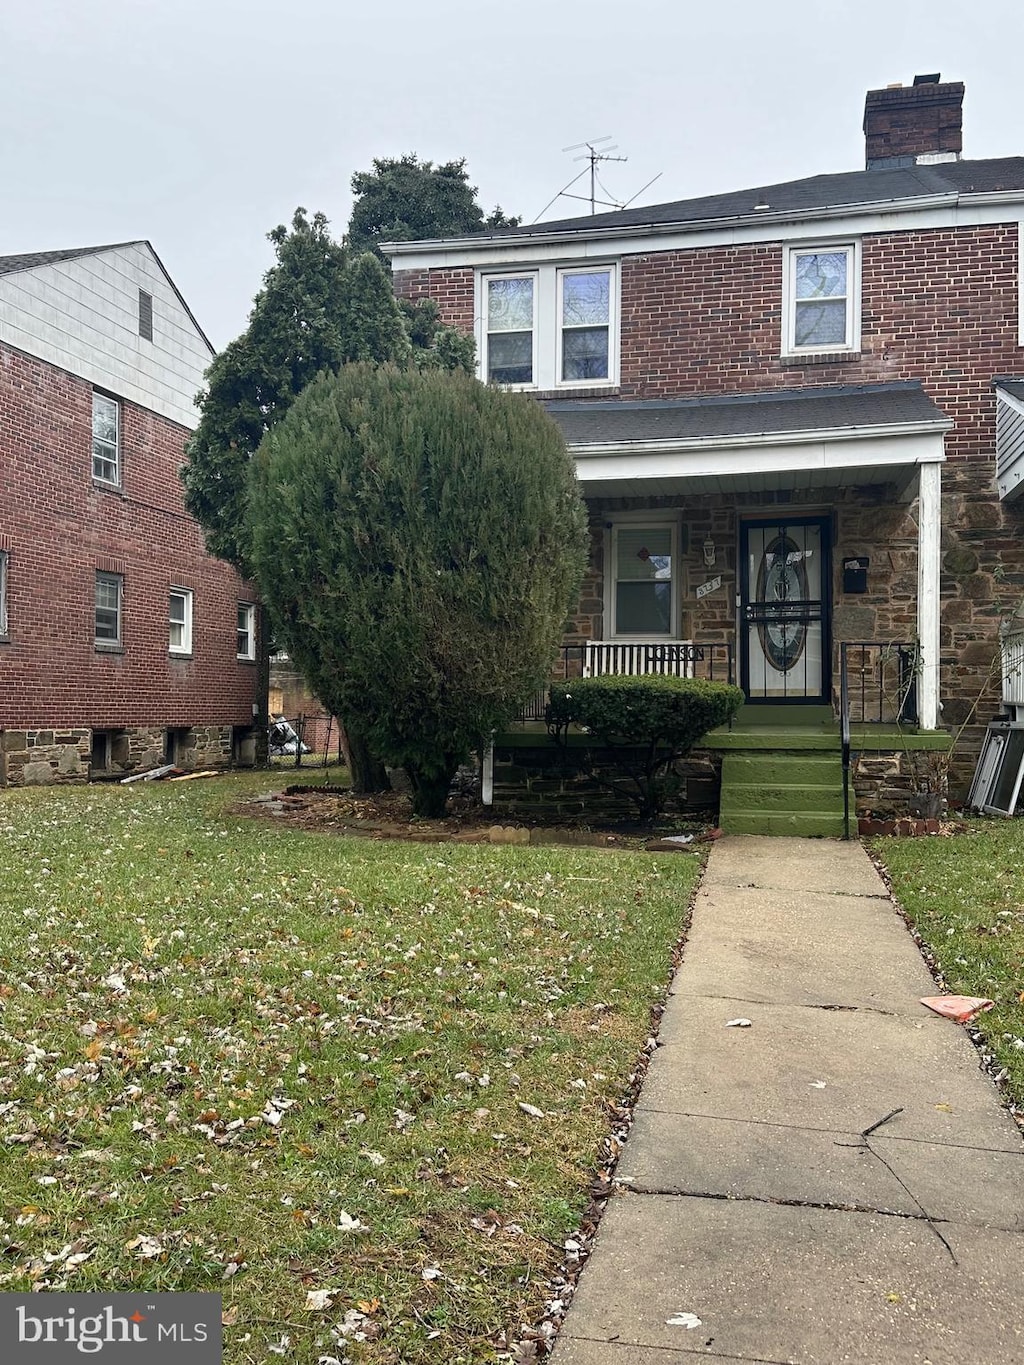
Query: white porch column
929	526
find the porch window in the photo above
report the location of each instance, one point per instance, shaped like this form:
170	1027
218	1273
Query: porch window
821	293
643	566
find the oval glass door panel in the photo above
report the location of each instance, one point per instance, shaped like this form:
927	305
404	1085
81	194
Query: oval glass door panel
783	611
781	583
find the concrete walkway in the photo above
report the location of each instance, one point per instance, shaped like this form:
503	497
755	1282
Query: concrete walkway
771	1192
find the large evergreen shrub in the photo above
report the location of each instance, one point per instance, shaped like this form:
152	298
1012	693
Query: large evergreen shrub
419	539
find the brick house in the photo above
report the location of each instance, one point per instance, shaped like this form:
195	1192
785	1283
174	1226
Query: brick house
122	642
787	406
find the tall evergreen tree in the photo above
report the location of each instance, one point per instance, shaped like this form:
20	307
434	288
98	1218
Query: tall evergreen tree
419	538
403	199
293	334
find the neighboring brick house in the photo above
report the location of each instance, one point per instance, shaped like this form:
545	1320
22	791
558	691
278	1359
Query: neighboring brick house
783	405
123	644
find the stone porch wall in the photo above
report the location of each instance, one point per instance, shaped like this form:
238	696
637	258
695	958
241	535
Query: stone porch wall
538	778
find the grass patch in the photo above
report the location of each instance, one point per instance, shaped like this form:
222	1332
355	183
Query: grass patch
241	1058
965	897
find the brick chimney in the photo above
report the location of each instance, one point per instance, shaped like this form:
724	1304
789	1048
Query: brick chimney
915	124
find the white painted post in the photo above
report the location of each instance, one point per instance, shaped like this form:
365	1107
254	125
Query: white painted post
929	527
487	774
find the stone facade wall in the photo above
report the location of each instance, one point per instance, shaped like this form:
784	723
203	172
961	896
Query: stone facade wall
533	778
59	527
39	757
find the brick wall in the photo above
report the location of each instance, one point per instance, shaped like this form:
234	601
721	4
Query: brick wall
59	528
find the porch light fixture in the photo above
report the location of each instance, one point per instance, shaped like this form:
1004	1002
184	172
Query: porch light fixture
709	553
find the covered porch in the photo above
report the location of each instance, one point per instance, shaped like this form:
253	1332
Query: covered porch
788	542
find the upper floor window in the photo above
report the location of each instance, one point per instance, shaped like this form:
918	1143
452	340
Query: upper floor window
180	617
510	329
246	648
3	593
822	291
106	452
109	591
549	328
585	308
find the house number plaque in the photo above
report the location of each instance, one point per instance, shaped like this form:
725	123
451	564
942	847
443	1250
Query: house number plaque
709	586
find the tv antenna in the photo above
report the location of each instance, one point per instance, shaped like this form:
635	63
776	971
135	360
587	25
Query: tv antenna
593	155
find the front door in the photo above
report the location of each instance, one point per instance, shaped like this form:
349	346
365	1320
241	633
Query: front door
784	610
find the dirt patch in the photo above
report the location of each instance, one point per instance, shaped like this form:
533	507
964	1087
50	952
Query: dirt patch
388	815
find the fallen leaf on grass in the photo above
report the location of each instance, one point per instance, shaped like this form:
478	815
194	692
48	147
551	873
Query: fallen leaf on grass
317	1300
146	1248
531	1109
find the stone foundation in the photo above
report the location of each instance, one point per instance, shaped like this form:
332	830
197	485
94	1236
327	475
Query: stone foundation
43	757
542	779
890	786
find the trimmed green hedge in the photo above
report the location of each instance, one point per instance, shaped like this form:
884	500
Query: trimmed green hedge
643	724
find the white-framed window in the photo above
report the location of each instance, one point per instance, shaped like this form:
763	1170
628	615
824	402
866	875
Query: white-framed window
642	581
180	621
510	335
821	309
246	648
584	330
106	439
549	328
109	602
3	593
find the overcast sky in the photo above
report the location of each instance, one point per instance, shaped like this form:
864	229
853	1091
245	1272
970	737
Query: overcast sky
200	124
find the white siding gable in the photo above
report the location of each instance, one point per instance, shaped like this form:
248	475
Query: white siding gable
82	315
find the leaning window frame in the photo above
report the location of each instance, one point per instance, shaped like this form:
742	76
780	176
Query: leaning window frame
186	595
105	642
115	460
851	341
628	522
250	631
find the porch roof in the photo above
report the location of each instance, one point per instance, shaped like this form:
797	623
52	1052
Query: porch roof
750	442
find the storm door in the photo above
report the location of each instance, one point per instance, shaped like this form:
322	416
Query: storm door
784	610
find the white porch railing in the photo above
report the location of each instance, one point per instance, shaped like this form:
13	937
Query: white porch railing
637	657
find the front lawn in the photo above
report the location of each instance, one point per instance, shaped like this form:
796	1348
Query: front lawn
965	897
359	1088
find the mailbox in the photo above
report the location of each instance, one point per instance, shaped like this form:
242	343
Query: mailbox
855	575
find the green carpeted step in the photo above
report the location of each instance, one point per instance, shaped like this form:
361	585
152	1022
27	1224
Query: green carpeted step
779	791
795	824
